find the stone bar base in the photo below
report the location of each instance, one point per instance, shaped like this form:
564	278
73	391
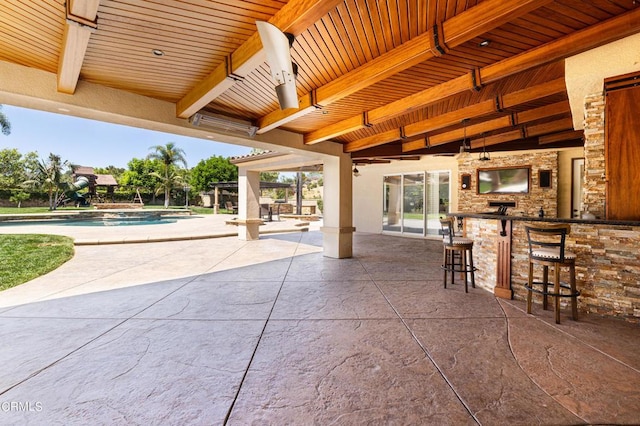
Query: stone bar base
337	242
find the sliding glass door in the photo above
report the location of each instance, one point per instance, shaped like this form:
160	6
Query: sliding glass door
413	202
392	210
437	199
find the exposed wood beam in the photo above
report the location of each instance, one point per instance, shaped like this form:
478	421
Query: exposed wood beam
450	118
476	129
457	30
549	133
544	112
562	136
553	87
596	35
550	127
511	135
454	117
373	140
80	23
295	17
548	111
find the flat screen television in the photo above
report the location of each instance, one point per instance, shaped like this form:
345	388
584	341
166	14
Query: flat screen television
508	180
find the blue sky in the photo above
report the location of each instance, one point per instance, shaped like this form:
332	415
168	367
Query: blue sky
97	144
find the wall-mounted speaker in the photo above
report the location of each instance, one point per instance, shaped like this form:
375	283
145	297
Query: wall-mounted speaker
544	178
466	182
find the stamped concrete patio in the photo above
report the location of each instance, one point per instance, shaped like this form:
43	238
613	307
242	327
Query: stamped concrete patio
270	332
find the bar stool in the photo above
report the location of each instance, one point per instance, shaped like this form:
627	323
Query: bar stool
460	246
547	248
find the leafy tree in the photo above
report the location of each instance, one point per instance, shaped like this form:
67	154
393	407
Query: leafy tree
49	175
139	173
11	168
5	126
269	176
169	155
213	169
114	171
18	197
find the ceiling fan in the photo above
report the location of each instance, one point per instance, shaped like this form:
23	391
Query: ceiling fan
277	47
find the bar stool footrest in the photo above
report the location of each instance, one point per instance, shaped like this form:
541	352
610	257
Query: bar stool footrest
451	269
551	293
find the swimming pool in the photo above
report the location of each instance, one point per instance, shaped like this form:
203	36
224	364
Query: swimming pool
99	221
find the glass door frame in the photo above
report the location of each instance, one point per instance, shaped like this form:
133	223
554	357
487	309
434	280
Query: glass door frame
401	192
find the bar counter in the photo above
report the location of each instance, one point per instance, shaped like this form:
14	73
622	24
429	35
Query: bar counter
607	264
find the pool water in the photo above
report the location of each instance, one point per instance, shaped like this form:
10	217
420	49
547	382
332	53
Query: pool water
105	221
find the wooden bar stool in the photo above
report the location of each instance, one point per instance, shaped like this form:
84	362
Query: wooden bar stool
547	248
462	248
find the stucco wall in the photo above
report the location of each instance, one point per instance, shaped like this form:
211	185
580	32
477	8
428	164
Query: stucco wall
367	188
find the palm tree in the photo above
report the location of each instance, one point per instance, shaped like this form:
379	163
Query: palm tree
167	183
169	155
49	175
4	123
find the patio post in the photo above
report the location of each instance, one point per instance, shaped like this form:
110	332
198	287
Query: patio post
248	204
337	232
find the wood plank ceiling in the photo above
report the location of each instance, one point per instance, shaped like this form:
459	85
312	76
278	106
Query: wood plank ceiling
386	78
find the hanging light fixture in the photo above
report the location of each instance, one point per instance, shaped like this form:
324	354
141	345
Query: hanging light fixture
356	172
484	155
463	147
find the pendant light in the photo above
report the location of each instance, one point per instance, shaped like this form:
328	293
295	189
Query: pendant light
484	155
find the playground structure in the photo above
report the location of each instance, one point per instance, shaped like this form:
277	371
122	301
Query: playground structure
85	177
70	193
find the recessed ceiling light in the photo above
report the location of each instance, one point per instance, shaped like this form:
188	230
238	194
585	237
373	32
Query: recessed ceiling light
157	52
484	43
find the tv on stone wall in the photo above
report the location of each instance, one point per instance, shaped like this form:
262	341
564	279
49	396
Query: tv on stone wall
507	180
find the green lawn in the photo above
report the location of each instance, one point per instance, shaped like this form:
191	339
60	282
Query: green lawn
25	257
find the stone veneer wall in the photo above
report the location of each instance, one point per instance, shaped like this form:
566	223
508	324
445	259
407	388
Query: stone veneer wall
594	190
607	268
526	204
607	265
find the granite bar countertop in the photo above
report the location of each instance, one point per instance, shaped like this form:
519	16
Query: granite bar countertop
495	216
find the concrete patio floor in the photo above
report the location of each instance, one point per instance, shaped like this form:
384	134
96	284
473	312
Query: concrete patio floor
271	332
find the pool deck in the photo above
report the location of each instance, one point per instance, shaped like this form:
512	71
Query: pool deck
185	228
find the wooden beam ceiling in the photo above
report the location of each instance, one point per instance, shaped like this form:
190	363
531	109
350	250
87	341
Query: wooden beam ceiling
572	44
451	33
295	17
80	23
455	117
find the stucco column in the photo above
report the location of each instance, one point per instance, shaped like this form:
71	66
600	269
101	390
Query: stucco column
248	204
216	201
337	232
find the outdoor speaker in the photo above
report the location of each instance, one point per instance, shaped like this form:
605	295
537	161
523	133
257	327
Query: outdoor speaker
545	178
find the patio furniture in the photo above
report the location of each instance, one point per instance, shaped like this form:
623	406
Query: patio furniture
457	254
229	206
547	248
